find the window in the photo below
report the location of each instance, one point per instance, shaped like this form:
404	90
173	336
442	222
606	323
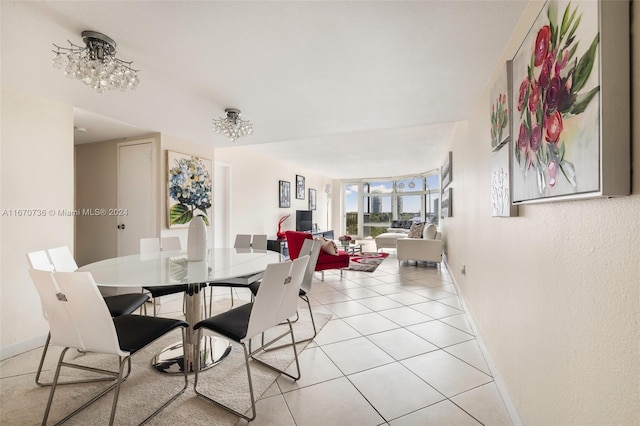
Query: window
351	197
409	207
377	203
432	198
371	205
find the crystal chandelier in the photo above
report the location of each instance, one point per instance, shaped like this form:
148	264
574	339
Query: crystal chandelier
96	64
232	126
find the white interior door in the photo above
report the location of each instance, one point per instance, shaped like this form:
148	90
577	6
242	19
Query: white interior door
136	195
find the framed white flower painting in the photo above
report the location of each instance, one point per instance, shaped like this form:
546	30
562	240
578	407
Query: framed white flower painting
189	189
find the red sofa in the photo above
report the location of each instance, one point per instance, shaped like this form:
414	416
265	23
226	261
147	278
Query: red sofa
295	239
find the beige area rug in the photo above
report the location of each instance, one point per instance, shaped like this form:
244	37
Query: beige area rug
22	402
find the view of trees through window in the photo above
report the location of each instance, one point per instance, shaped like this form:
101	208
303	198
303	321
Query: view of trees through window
371	205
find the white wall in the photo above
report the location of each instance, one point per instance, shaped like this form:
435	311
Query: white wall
254	192
37	173
553	291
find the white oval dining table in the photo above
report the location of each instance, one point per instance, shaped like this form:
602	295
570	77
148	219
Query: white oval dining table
173	268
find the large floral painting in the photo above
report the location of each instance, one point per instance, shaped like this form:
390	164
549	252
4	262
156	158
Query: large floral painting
189	188
556	101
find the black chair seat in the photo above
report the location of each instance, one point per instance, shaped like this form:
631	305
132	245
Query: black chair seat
226	284
165	290
232	323
125	304
254	287
136	331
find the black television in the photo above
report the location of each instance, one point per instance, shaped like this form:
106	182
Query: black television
304	220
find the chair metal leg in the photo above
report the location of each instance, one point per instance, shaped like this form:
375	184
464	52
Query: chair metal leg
42	357
308	339
213	401
211	300
70	382
293	345
313	322
55	383
248	354
117	392
174	397
118	376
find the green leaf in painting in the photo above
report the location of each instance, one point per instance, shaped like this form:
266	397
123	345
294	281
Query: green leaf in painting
572	51
585	65
179	214
582	101
553	31
566	20
574	28
552	14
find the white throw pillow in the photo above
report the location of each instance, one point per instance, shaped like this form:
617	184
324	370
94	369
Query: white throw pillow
429	232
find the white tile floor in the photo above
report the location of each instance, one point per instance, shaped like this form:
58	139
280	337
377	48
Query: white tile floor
398	350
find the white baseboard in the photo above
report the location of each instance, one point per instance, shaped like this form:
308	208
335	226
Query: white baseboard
22	347
500	384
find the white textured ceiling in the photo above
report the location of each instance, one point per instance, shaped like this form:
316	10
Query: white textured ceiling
344	88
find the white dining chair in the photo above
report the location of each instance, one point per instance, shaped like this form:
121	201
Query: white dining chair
275	303
78	318
242	241
259	242
170	243
62	259
149	245
309	248
40	260
122	304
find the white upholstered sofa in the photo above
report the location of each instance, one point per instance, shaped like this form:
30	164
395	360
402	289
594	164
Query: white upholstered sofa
425	249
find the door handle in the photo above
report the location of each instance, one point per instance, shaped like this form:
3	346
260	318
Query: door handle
121	226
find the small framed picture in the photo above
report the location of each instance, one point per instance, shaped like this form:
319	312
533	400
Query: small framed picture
312	199
284	194
299	187
445	172
445	207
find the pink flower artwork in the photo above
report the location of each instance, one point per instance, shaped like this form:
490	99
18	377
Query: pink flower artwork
554	90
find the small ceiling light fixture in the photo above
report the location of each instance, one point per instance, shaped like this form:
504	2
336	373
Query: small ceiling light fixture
232	126
96	64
